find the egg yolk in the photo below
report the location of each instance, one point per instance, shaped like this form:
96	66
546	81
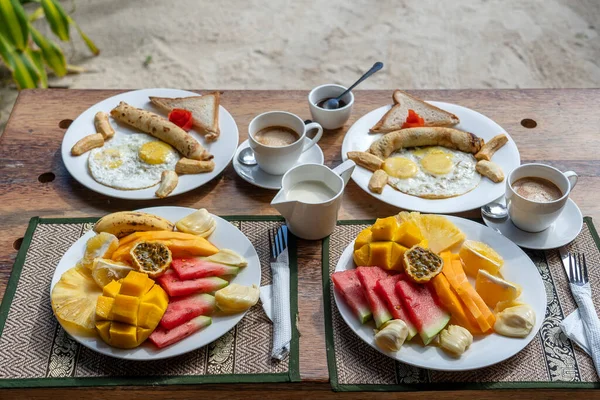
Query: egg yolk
400	167
109	158
437	162
154	152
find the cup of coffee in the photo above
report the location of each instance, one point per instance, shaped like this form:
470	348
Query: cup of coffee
330	119
277	139
536	195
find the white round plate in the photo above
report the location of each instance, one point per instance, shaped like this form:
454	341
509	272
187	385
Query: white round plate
256	176
223	148
358	138
225	236
485	350
563	231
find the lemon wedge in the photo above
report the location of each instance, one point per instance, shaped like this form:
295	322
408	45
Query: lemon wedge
478	255
236	298
105	271
494	290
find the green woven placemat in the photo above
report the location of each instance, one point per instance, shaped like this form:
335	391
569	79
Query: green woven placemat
36	352
549	361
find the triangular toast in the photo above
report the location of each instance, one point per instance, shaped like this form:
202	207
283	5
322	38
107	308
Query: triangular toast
204	109
396	116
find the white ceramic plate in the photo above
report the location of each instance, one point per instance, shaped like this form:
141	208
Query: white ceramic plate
225	236
358	138
223	148
485	350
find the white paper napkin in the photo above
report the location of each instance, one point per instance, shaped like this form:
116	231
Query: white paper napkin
583	326
276	303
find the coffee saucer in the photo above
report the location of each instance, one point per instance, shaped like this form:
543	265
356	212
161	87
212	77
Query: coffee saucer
563	231
256	176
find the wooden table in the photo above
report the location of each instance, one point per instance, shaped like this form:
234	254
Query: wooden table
556	127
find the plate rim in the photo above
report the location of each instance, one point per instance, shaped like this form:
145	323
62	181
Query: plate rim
526	341
78	338
122	194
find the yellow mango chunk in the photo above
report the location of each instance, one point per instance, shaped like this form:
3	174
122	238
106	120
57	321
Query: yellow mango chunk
123	336
384	229
149	315
134	284
364	237
103	328
408	234
112	289
104	306
362	256
142	334
381	254
397	259
125	309
157	296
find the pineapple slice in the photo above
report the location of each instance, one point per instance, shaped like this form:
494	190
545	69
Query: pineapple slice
441	234
74	299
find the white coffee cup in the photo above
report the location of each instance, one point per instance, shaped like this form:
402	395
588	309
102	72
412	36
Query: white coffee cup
532	216
330	119
276	160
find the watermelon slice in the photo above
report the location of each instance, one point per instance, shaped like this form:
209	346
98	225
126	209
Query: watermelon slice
182	309
386	288
196	267
162	337
368	277
177	287
349	286
421	304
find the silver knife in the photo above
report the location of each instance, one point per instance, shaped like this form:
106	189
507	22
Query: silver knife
564	257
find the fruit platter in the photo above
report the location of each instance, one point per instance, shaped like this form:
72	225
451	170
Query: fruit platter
439	292
155	283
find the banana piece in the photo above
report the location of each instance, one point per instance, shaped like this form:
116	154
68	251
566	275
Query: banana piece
168	183
103	126
124	223
87	143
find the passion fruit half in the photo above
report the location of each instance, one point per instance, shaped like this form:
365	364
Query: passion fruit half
152	258
421	264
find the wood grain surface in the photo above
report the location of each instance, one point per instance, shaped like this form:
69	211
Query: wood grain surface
34	182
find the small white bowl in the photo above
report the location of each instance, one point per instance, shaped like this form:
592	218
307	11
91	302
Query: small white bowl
330	119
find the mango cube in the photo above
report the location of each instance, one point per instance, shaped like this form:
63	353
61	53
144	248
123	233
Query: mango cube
142	334
381	254
123	336
112	289
408	234
149	315
384	229
362	256
157	296
103	328
397	261
134	284
125	309
104	307
364	237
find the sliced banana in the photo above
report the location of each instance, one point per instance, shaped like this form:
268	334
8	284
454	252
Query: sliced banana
199	223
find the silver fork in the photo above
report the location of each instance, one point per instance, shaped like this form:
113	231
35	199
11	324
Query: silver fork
578	273
277	242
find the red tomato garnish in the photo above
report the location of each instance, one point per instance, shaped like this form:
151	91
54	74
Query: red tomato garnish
182	118
413	120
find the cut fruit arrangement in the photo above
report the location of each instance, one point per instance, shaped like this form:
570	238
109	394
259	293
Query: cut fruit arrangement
415	268
141	279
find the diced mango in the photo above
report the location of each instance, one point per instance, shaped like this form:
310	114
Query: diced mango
157	296
408	234
125	309
112	289
384	229
398	256
142	334
123	336
149	285
134	284
149	315
362	256
104	306
381	254
364	237
103	328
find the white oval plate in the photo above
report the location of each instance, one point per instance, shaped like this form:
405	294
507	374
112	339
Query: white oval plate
358	138
225	236
485	350
223	148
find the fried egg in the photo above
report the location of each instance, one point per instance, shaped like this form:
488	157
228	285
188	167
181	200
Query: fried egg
131	161
432	172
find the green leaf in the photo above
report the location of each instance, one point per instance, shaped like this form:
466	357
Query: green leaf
25	72
6	52
57	18
38	60
85	38
13	23
37	14
52	54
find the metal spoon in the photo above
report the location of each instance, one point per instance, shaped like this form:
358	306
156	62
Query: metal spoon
333	104
495	211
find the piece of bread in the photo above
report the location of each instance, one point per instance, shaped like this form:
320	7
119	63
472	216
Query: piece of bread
204	109
396	116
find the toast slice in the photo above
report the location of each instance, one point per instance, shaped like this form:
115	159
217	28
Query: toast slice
396	116
204	109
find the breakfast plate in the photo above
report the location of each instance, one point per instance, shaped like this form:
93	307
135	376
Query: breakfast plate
223	149
225	235
485	350
358	138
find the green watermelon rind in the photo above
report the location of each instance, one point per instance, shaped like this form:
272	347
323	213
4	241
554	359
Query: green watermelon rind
381	314
343	284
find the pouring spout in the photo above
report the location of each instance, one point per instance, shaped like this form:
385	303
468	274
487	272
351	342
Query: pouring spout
281	204
344	170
